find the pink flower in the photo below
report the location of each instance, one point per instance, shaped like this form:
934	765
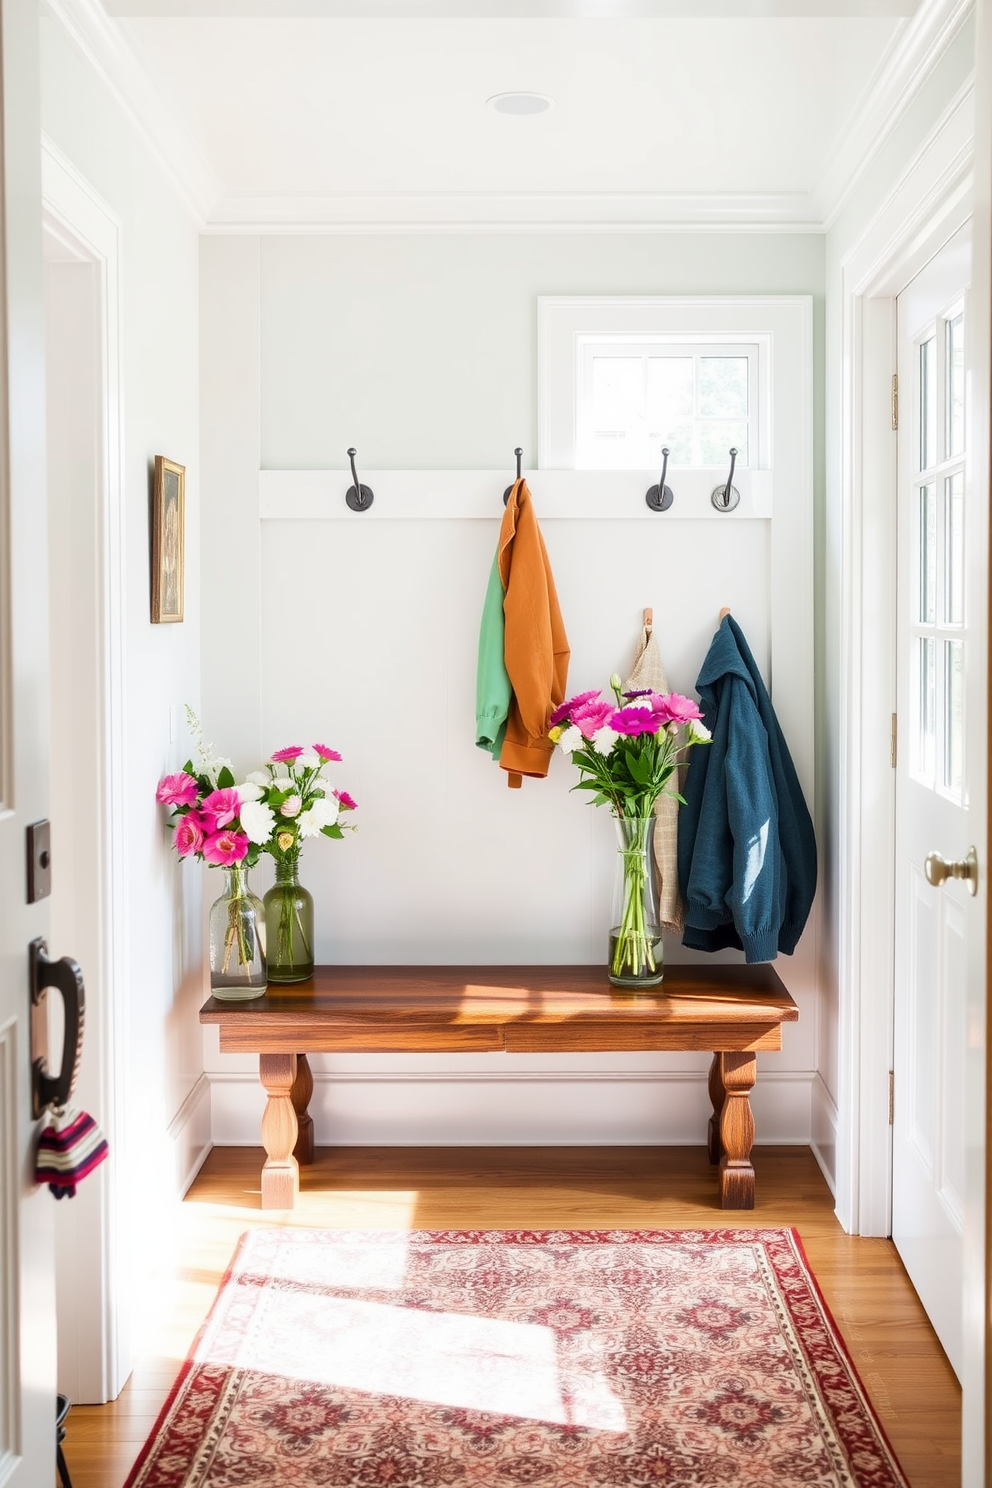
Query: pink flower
292	752
220	807
177	790
635	721
325	753
225	848
589	717
345	801
564	710
189	834
674	708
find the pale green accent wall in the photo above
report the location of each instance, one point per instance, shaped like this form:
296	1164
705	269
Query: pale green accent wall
422	351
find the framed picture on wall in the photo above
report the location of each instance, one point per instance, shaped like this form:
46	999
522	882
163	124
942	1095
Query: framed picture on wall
168	528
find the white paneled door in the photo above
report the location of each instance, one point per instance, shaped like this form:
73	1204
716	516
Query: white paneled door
27	1212
937	655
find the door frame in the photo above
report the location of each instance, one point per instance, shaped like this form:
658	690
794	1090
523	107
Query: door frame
926	207
977	1423
74	213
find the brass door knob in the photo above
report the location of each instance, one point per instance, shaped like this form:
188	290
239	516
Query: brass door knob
937	869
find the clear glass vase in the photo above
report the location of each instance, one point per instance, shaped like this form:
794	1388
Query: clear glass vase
237	939
289	925
636	951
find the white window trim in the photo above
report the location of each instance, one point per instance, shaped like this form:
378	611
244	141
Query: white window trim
761	320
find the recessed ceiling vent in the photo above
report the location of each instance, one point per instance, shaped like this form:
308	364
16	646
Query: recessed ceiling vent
520	103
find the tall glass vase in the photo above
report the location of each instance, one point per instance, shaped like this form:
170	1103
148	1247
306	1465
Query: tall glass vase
636	951
237	939
289	924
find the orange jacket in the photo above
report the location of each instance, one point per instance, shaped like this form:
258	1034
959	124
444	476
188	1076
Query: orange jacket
535	647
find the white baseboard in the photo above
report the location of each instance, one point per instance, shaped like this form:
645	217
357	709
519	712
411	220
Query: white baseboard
824	1131
488	1110
189	1134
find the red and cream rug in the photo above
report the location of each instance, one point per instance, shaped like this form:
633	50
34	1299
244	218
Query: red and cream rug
490	1359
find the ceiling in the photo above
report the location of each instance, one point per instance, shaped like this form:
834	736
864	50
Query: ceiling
338	115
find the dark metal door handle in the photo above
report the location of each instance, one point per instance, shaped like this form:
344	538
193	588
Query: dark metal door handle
66	977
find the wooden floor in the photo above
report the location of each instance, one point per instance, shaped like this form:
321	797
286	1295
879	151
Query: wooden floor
887	1334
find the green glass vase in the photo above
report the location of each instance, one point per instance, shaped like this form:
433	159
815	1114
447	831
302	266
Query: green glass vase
289	925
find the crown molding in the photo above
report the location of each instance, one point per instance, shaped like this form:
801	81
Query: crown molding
912	56
508	213
106	47
364	10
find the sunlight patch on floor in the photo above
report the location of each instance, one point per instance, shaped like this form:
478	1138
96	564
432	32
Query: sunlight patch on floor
362	1208
353	1209
456	1359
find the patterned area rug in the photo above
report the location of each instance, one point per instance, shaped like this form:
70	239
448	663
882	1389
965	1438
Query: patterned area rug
568	1359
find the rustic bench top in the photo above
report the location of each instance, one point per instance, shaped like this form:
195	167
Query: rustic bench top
507	1008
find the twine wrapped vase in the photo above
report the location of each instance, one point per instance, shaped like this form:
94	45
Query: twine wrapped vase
237	939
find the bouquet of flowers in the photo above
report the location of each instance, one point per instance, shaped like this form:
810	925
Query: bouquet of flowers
229	824
289	801
627	750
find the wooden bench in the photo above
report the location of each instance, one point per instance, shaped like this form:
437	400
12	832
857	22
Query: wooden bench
731	1011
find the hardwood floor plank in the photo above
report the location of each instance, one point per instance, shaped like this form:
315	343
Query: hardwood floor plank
896	1352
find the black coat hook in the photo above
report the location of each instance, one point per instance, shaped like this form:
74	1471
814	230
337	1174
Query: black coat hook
519	454
725	498
660	497
358	497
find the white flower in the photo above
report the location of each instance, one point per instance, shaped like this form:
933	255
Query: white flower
257	821
323	813
291	806
698	732
249	791
604	739
258	777
570	739
212	766
308	760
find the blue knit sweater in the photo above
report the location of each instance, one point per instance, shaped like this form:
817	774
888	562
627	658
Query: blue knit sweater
746	849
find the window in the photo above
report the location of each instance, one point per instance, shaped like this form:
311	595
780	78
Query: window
621	377
939	539
636	397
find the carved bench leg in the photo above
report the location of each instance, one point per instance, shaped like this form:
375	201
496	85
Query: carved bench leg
737	1074
300	1095
281	1172
717	1095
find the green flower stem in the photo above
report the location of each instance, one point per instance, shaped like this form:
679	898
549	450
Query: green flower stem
289	922
633	952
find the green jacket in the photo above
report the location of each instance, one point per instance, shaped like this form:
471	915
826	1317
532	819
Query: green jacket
492	687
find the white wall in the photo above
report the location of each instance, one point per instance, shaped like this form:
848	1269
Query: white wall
159	318
421	352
